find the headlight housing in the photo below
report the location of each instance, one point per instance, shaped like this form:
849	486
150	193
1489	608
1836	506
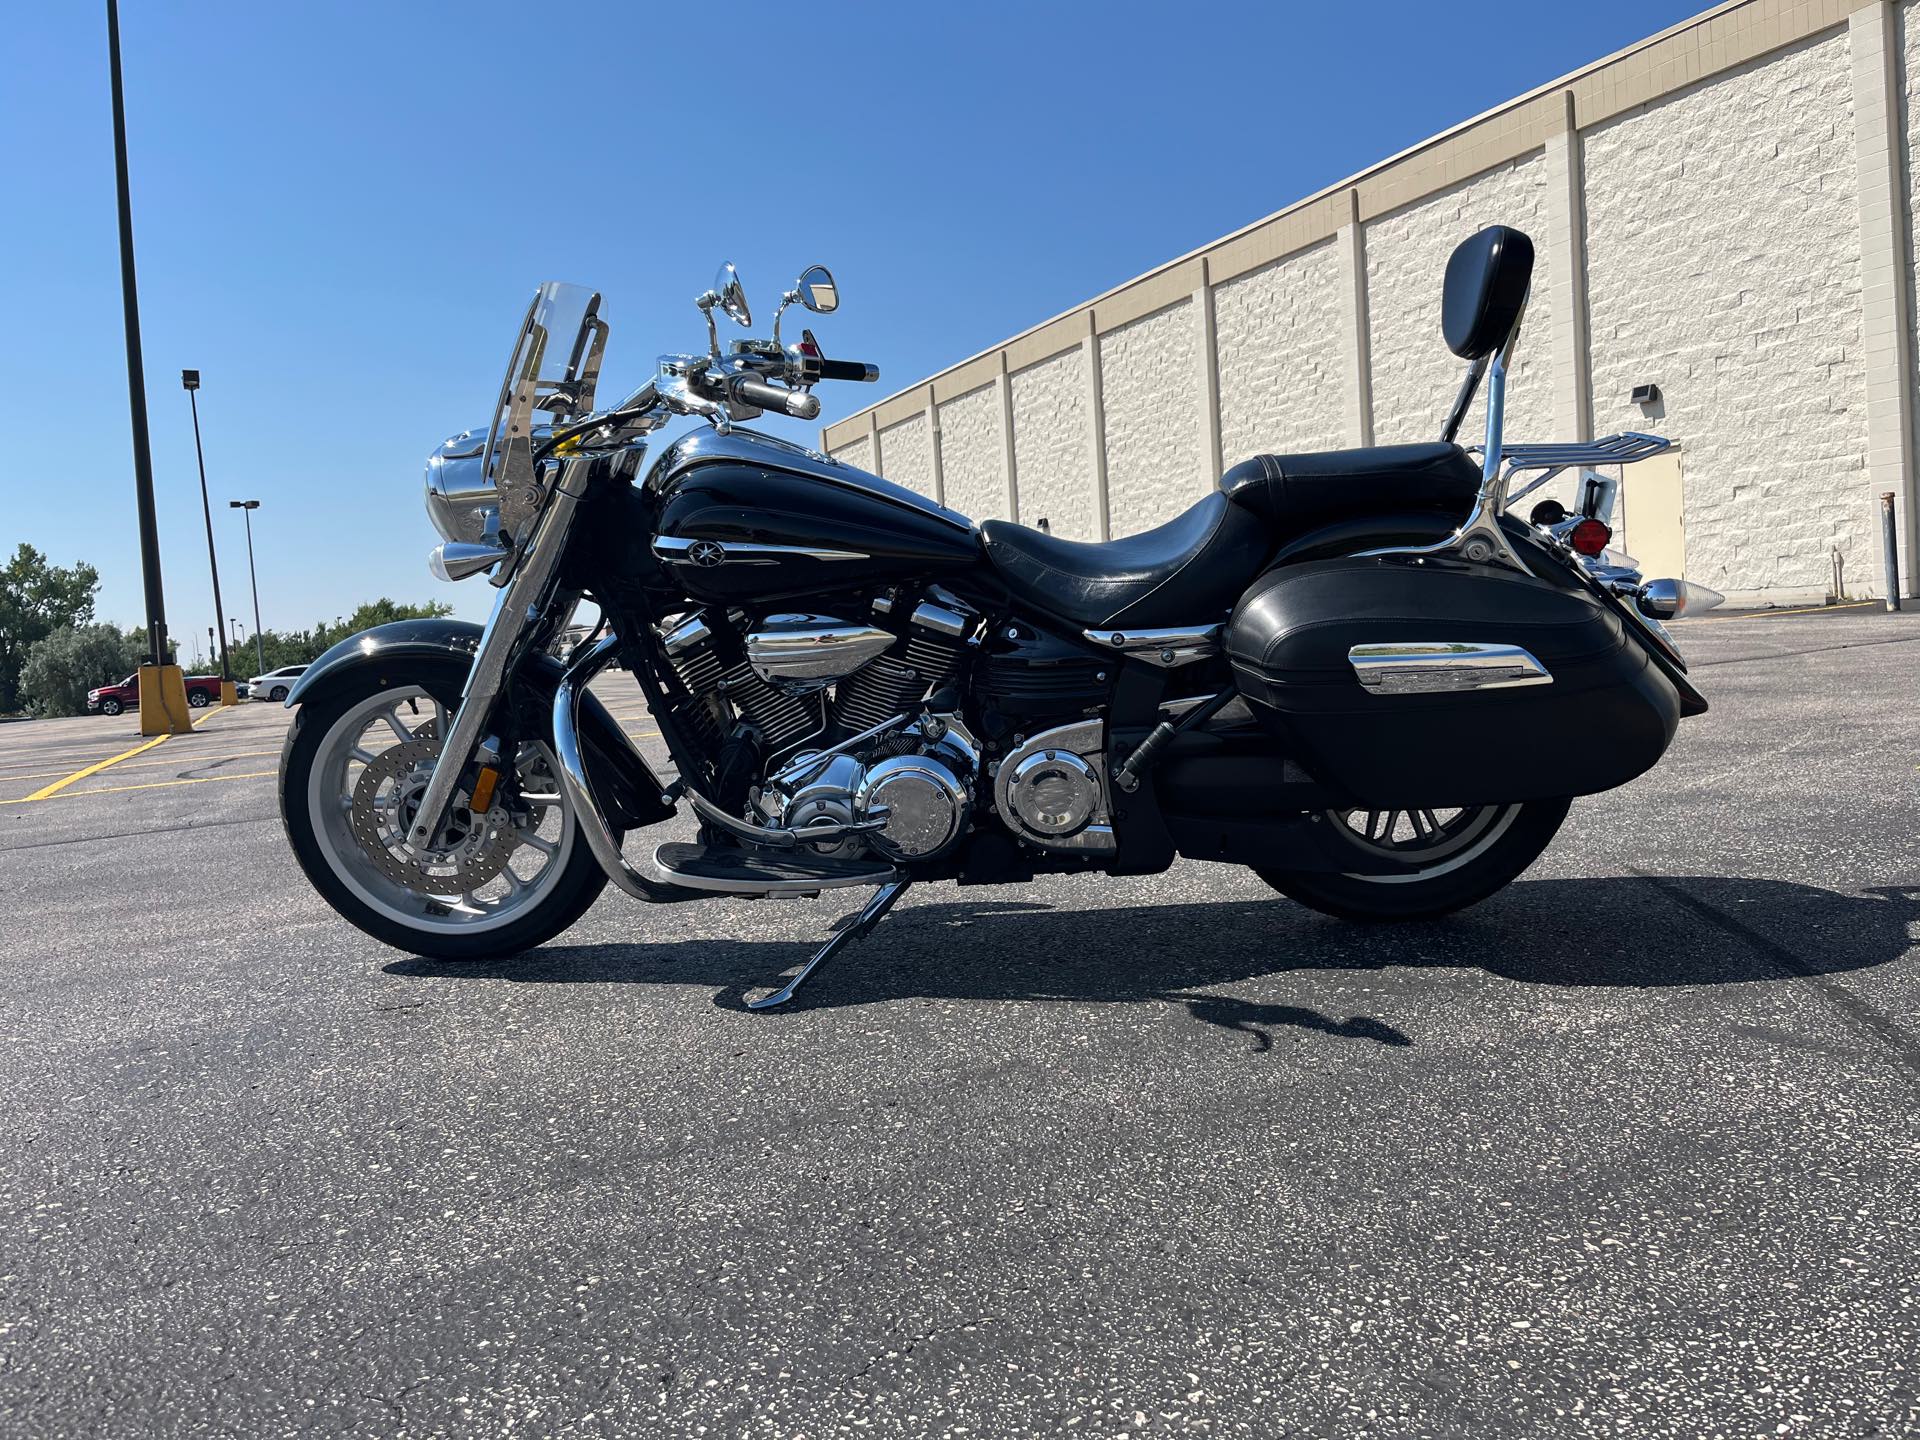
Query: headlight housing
461	502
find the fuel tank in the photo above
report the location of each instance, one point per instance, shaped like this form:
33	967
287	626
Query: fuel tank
748	518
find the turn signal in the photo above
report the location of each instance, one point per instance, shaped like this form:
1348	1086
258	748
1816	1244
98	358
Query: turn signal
1590	536
1667	599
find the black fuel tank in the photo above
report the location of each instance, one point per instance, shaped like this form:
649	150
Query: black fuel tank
748	518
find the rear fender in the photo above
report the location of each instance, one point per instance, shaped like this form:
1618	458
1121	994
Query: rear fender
392	655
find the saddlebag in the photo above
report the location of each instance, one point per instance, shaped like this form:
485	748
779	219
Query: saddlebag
1441	684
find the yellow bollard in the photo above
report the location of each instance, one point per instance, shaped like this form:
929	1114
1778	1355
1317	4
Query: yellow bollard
229	693
163	701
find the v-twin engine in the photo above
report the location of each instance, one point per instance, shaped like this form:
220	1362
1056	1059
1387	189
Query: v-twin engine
832	711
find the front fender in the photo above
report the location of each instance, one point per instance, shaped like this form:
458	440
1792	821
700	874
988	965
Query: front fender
391	654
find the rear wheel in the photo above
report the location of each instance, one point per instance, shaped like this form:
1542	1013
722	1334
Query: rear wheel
354	769
1461	857
279	692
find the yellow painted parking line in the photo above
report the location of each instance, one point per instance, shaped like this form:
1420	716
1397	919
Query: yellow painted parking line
149	765
49	791
149	785
95	769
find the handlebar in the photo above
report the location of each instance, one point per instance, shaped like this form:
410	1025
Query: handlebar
778	398
848	370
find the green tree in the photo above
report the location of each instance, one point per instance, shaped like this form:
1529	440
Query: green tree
63	666
36	599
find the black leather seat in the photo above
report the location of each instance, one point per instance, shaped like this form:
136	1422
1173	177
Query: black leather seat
1187	571
1190	570
1293	493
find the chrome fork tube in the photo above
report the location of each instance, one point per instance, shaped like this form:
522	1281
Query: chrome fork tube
519	604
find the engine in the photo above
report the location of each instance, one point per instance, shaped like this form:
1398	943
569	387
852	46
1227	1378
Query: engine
798	695
820	721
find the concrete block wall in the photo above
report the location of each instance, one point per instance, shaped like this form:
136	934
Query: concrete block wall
1723	264
1150	374
1052	422
1415	376
1282	383
1724	210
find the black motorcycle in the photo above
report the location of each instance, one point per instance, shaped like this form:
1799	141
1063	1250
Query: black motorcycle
1353	671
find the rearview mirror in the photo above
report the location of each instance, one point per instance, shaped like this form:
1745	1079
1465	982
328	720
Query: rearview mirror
731	296
817	290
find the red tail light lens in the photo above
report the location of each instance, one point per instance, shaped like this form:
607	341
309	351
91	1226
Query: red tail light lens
1590	536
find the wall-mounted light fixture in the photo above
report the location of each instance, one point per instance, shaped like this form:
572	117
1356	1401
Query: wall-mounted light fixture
1646	394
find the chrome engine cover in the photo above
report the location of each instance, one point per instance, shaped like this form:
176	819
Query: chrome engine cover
925	805
802	654
1052	790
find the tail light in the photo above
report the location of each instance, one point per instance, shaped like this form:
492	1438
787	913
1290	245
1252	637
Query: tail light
1590	536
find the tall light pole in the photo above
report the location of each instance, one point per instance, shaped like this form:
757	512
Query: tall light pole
136	369
190	380
247	507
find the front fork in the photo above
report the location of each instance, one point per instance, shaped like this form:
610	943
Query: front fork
521	602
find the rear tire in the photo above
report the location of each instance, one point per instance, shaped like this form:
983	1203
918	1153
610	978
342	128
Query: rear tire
1490	850
278	693
403	918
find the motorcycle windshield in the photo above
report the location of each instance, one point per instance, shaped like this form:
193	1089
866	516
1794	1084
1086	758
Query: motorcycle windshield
551	375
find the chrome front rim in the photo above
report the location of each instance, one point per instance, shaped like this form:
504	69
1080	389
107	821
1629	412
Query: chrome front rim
1436	840
368	776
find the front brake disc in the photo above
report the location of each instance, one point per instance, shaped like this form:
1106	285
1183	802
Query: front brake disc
385	799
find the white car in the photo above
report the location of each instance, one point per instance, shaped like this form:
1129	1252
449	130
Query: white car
275	683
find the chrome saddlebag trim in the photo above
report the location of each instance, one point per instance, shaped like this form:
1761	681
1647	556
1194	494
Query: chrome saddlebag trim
1426	667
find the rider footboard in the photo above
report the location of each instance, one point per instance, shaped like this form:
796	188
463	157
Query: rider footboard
1439	683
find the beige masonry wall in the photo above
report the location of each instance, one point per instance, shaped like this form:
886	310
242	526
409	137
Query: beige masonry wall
1723	210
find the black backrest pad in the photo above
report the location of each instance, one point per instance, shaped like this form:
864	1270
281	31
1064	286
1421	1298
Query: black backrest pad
1487	280
1293	492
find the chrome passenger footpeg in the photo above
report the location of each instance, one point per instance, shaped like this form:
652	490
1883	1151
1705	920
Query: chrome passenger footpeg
789	873
863	923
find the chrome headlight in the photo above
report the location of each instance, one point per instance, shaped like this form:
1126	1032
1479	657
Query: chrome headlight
461	502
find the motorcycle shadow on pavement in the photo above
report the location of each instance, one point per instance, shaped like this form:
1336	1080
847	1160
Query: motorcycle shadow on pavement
1624	931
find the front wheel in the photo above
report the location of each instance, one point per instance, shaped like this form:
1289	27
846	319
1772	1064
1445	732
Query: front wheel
1461	857
355	766
111	707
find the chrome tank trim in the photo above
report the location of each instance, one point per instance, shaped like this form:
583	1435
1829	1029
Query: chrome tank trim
1426	667
679	550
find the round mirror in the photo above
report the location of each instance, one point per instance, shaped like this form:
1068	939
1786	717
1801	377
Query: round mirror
733	295
817	290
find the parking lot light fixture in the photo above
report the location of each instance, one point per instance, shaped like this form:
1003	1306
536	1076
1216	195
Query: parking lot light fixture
247	507
190	382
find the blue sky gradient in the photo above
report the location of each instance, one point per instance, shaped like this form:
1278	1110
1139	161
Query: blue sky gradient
341	209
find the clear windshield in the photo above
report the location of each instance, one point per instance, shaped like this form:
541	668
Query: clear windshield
551	375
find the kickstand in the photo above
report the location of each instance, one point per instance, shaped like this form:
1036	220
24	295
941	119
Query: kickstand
863	923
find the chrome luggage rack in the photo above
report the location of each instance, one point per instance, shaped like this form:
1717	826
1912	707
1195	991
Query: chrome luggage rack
1554	456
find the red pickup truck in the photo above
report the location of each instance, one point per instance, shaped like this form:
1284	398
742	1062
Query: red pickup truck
202	691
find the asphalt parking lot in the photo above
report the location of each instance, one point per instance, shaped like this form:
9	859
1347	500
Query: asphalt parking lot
1632	1148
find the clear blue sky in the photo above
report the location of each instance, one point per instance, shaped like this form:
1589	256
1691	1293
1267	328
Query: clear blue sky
340	210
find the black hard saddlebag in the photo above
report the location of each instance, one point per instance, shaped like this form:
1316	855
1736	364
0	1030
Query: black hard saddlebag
1442	684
